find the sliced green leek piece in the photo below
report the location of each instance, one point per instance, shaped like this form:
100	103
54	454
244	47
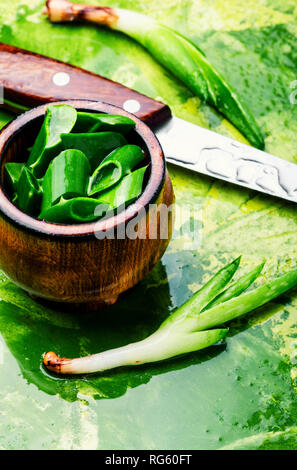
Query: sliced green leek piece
59	119
95	146
117	164
76	210
95	122
67	175
124	193
28	193
12	175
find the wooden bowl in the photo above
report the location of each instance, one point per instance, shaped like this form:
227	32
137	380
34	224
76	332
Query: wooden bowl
90	264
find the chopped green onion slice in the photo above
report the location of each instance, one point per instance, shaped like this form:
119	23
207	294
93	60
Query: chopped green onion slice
95	146
12	175
116	165
67	176
59	119
76	210
95	122
125	192
28	193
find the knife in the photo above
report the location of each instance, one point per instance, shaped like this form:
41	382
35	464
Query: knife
29	79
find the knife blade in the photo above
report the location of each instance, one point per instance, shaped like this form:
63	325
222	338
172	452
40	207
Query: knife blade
212	154
29	79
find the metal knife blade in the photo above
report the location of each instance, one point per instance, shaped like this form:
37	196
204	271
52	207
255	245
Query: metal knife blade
204	151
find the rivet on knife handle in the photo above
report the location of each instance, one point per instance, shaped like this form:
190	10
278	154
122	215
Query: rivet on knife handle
30	79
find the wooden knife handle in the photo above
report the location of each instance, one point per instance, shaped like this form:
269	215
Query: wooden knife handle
30	79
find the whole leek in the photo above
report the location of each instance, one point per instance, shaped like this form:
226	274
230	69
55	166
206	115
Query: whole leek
186	329
175	52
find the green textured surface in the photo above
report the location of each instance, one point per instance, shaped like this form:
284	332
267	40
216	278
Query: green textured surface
241	395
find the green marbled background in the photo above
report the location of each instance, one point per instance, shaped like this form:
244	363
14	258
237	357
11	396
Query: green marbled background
241	395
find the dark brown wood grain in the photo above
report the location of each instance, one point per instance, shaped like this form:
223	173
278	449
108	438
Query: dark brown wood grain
68	263
27	79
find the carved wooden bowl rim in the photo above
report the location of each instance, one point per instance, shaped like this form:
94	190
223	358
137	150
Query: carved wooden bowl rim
149	195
